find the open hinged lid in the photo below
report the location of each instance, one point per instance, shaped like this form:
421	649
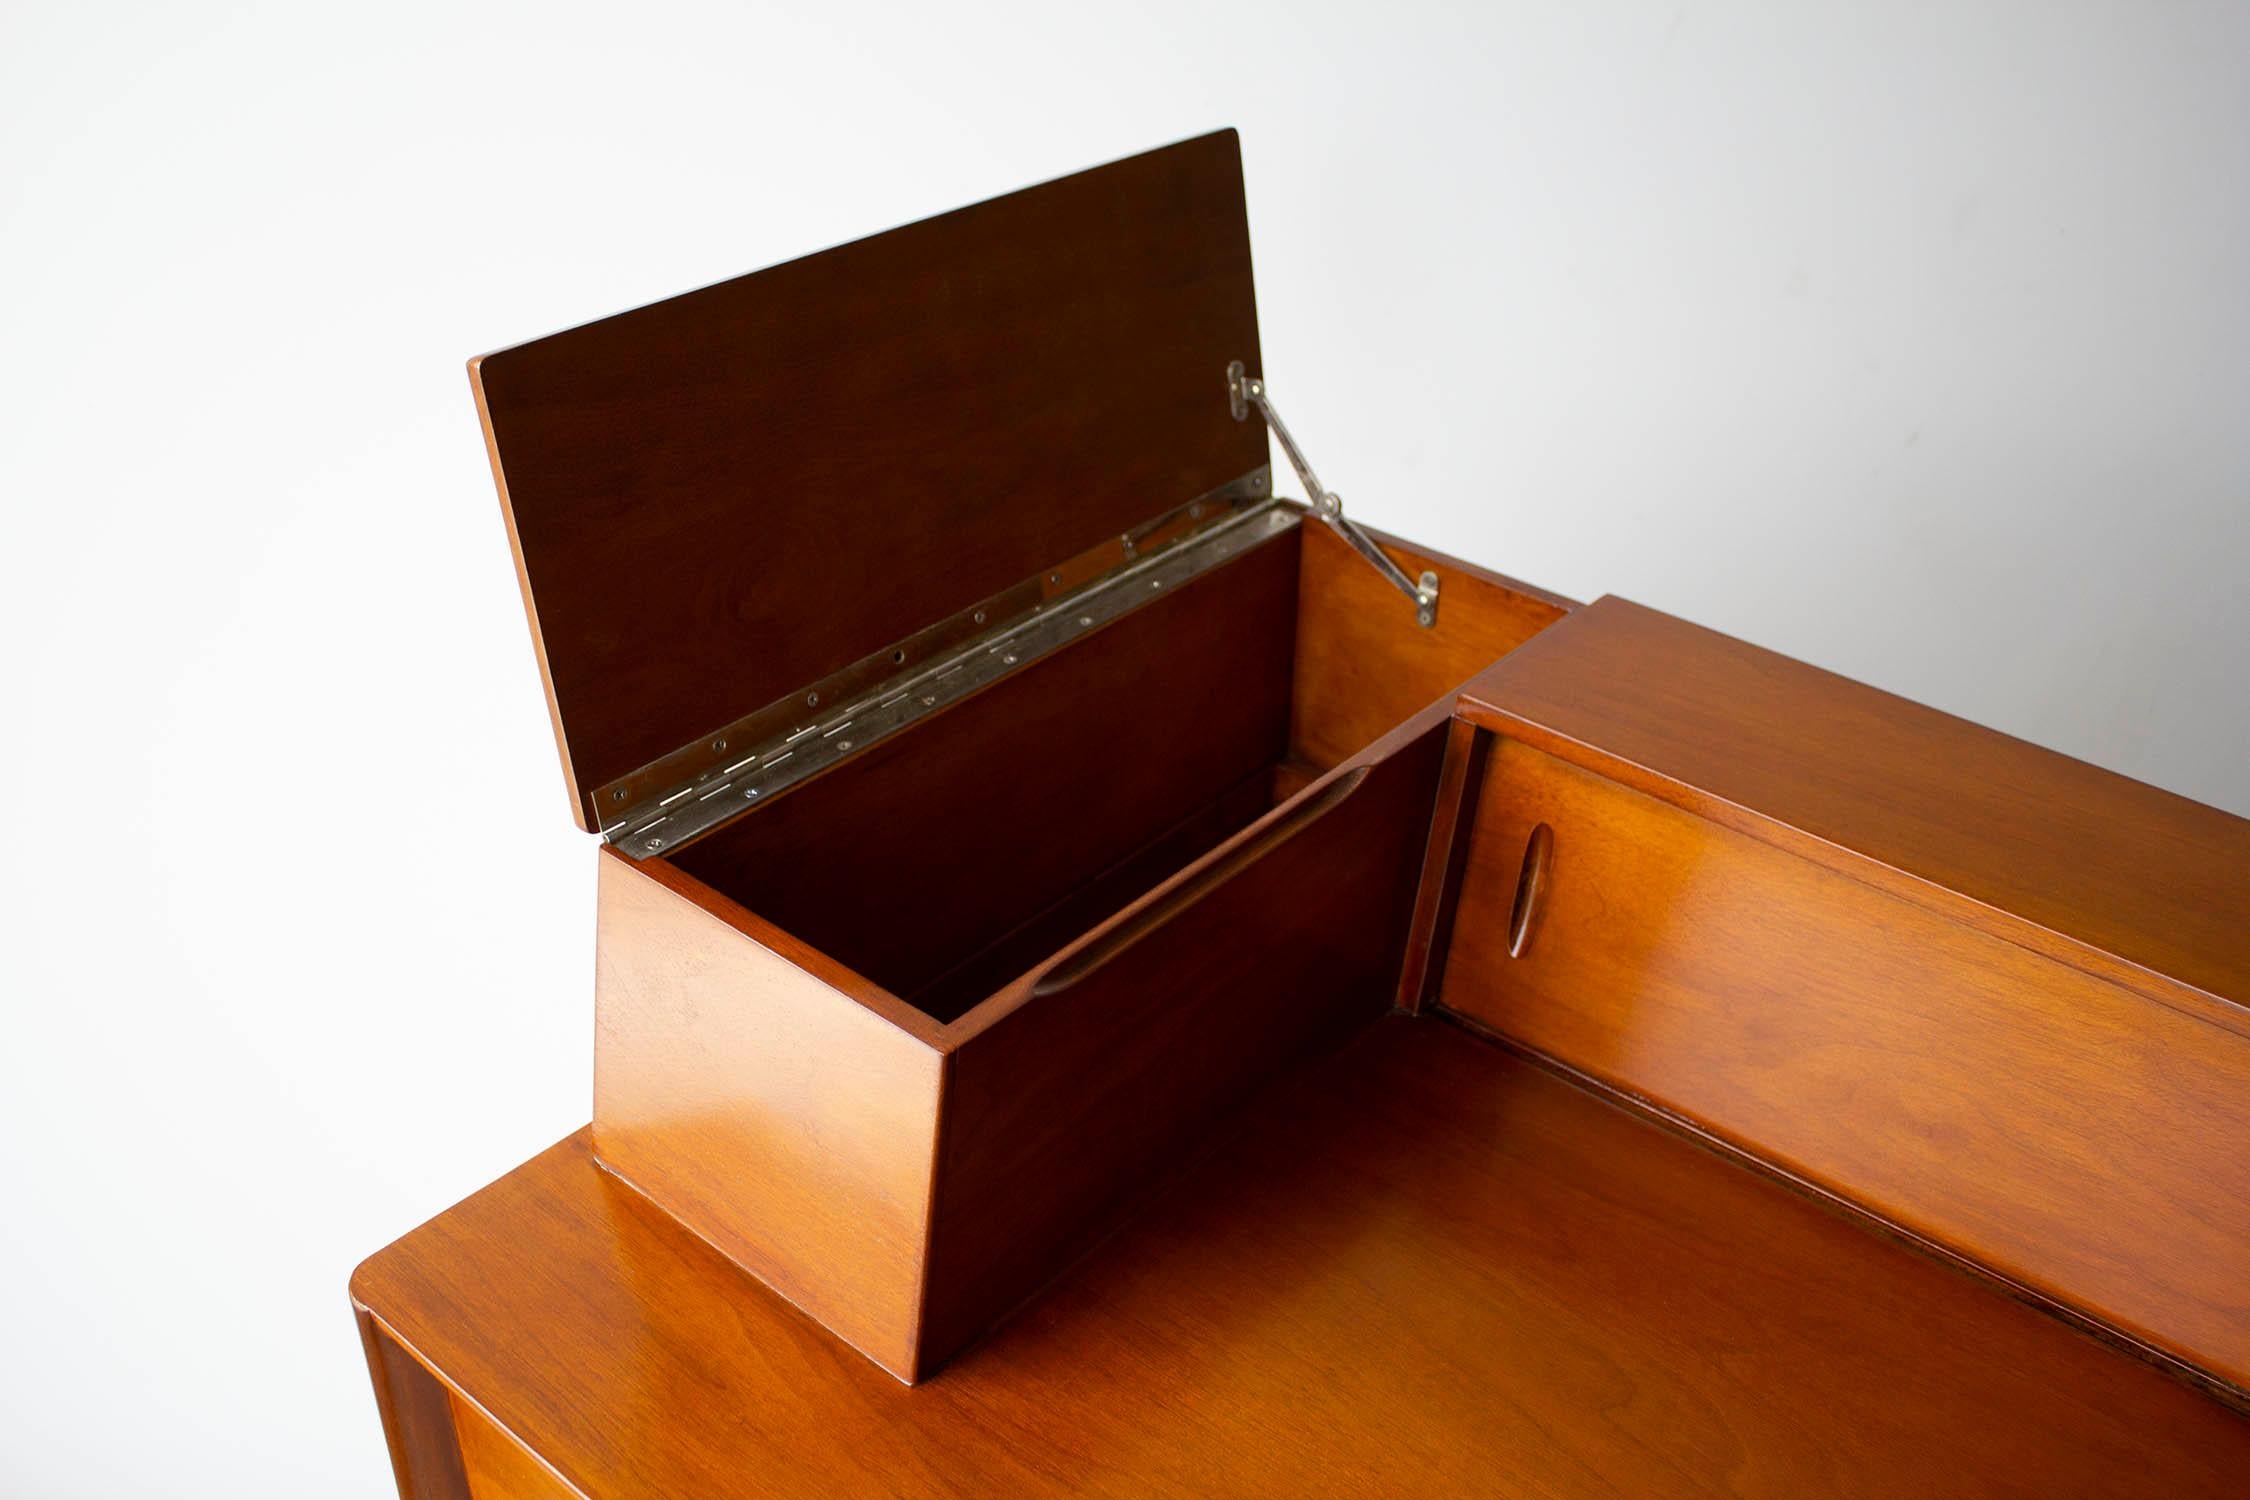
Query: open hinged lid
737	509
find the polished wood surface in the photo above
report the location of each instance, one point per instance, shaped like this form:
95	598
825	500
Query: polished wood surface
1363	665
2101	871
792	1124
418	1418
2072	1127
1424	1266
1793	1002
496	1466
722	497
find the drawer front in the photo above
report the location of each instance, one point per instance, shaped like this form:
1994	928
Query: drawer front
1278	944
2079	1139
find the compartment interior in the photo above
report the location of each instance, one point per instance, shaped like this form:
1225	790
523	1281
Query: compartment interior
951	859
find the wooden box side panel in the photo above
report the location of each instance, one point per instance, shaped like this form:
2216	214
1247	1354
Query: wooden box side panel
787	1123
1061	1108
418	1417
1363	666
498	1467
2073	1136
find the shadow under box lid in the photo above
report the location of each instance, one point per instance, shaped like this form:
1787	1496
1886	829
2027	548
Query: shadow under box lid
825	472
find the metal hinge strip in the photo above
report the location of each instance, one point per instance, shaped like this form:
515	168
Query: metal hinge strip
700	786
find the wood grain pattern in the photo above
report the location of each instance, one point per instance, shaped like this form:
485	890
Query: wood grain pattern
1363	666
2101	871
2059	1129
924	851
792	1123
1444	856
417	1414
1422	1267
721	497
496	1466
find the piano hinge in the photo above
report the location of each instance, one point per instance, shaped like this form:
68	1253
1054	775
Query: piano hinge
741	764
1245	391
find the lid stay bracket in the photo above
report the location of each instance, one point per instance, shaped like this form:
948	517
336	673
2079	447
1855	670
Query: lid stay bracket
1245	391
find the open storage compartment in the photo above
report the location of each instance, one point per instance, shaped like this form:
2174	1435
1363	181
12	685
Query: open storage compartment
952	858
908	1037
904	988
946	862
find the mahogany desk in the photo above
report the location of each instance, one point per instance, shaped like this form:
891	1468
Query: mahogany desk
1829	1172
1509	1046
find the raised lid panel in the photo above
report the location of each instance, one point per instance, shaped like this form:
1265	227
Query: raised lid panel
721	497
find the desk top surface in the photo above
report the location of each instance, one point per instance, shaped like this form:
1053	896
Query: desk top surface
1423	1265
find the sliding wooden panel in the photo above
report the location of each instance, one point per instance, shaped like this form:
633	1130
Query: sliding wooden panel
2056	1113
2095	868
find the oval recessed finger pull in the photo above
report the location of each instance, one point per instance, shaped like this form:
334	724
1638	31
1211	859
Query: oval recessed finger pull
1531	884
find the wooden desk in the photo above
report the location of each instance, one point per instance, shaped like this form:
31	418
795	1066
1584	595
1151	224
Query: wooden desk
947	912
1421	1266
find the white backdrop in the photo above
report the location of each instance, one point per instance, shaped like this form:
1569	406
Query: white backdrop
1910	340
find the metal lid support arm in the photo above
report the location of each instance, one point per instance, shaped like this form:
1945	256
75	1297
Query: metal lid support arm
1245	391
